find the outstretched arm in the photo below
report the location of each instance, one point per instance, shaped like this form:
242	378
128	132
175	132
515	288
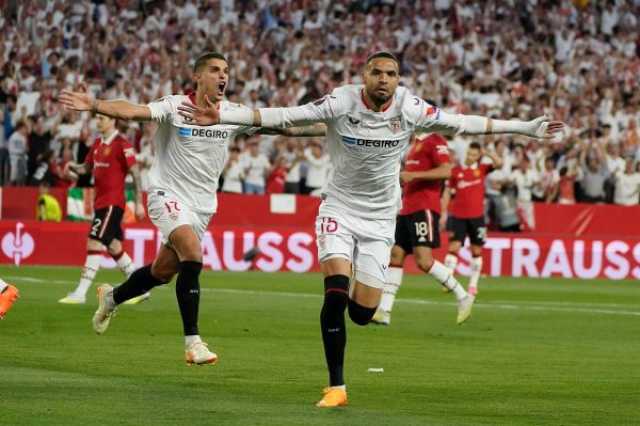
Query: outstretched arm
119	108
272	118
433	119
318	129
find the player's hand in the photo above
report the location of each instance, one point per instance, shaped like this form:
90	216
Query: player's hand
406	177
543	128
76	101
140	213
201	116
69	172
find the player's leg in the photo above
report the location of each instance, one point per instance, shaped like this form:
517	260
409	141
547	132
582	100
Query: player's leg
335	249
91	265
392	284
442	274
477	236
8	295
161	271
426	236
186	243
457	232
125	264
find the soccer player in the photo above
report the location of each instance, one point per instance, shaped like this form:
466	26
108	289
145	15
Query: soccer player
110	159
8	295
368	129
464	199
182	192
427	166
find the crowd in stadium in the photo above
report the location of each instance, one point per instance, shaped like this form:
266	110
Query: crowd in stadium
578	62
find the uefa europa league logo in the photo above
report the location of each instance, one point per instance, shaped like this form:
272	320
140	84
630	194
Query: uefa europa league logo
19	245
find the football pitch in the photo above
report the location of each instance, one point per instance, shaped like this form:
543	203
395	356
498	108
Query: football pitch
534	352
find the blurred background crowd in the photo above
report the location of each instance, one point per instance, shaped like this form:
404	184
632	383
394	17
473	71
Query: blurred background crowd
577	61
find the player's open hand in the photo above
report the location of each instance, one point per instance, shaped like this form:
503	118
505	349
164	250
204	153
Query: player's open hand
76	101
201	116
543	128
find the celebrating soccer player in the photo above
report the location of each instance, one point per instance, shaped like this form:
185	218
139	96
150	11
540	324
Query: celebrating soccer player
111	158
183	181
464	199
368	129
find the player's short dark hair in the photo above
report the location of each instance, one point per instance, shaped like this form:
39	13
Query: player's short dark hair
475	145
202	59
383	54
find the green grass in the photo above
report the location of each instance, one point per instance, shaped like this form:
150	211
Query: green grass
535	352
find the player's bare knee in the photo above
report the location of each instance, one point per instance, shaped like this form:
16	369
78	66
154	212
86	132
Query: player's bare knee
162	272
397	256
424	263
115	247
476	251
94	245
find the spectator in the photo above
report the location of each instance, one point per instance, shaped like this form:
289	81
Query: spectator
39	141
18	154
294	156
255	167
233	173
566	185
549	181
318	168
594	175
48	206
276	179
525	179
627	185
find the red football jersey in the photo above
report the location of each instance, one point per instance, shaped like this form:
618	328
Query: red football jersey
110	162
425	154
467	183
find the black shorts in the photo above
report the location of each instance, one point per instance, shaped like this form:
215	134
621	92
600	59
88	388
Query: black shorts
107	225
474	228
419	229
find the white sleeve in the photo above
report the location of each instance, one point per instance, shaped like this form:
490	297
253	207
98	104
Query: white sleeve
161	109
431	118
324	109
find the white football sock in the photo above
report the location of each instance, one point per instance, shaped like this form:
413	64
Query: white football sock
443	275
476	270
91	266
451	261
3	285
190	340
341	387
125	264
391	287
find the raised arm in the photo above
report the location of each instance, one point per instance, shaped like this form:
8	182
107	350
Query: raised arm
119	108
495	159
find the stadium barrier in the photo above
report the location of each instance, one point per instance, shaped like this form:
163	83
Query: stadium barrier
582	241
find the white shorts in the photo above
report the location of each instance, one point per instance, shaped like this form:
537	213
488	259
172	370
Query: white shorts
167	212
366	243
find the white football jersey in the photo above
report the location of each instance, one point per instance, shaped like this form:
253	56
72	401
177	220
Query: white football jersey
189	159
365	146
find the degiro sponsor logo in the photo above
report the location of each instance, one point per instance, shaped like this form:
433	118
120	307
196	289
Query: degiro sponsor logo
202	133
370	143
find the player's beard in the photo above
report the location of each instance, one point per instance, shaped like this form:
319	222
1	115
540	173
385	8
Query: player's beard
379	99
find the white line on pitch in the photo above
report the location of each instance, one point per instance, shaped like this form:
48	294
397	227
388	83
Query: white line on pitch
520	305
